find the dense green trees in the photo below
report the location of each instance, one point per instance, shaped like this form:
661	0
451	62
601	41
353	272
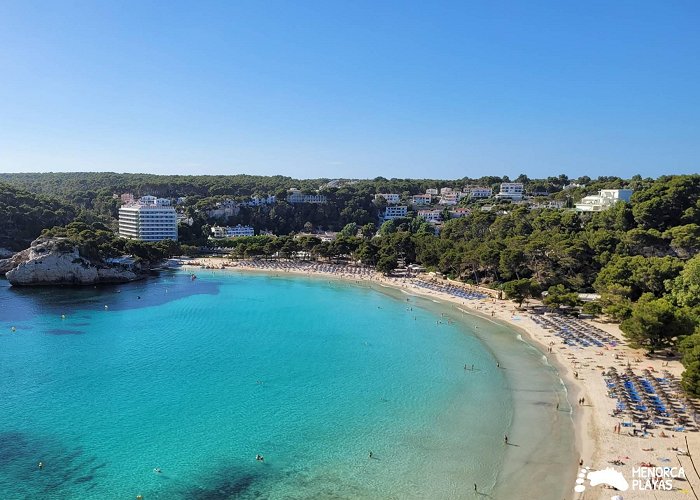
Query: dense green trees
518	290
23	215
655	324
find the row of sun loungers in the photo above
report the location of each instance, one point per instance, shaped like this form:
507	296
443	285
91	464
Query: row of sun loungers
454	290
311	267
574	332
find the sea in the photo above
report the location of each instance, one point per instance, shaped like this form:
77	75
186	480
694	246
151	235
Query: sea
169	388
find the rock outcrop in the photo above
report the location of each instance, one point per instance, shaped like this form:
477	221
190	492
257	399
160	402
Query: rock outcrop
56	261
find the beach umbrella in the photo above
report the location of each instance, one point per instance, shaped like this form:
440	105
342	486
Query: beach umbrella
616	497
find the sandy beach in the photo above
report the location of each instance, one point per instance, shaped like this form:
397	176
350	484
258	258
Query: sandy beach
598	441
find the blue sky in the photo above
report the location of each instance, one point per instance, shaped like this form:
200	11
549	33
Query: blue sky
351	89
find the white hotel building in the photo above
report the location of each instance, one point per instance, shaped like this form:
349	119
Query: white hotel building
149	219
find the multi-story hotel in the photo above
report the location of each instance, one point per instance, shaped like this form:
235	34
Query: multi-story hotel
149	219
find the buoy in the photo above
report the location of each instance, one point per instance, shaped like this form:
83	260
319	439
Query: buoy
63	316
106	307
14	329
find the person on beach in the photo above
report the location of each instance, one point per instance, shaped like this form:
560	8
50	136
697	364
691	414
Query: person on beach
505	439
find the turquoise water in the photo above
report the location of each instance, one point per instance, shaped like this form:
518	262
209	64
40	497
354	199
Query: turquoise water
197	377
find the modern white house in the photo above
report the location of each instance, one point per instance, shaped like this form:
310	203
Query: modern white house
422	199
296	196
430	215
477	192
149	219
432	192
231	232
395	212
605	199
511	191
391	198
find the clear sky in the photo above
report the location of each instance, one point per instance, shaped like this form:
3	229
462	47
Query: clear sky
351	88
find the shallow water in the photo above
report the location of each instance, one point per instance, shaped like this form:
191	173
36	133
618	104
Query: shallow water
197	377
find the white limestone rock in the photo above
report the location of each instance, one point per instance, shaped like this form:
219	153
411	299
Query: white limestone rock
55	261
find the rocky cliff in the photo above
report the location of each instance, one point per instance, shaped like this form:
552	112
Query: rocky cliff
56	261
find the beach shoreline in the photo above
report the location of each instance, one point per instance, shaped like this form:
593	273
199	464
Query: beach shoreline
594	443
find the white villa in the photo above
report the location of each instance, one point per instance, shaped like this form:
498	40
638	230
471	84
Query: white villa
430	215
605	199
451	198
422	199
256	201
511	190
456	213
477	192
149	219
